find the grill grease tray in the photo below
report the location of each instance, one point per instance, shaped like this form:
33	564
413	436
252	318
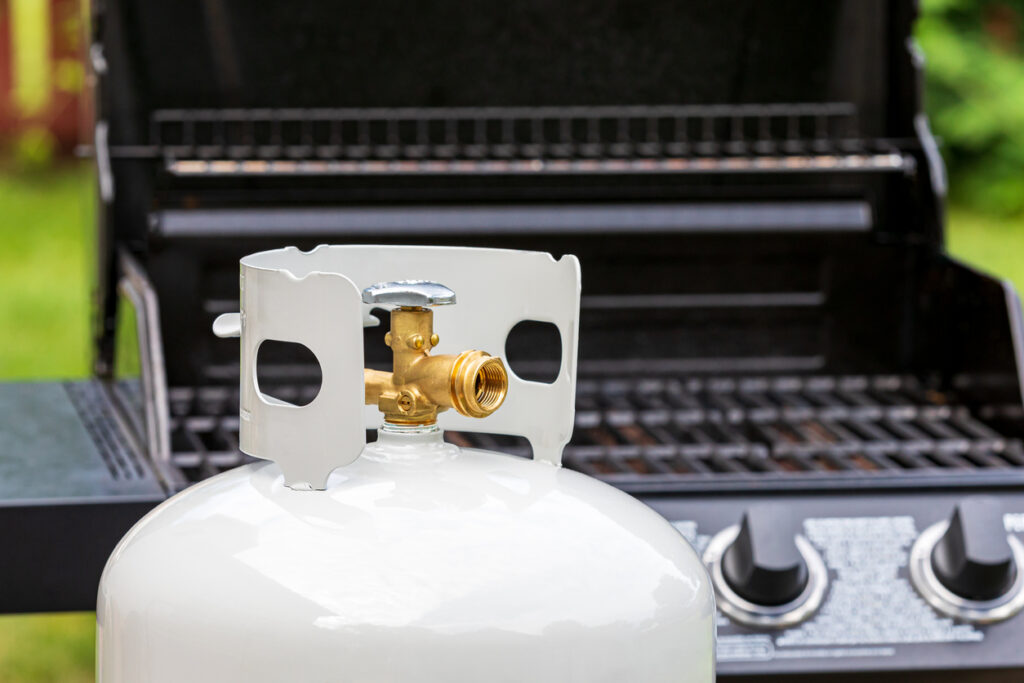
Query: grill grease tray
667	433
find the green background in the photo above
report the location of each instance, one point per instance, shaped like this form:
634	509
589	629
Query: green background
975	97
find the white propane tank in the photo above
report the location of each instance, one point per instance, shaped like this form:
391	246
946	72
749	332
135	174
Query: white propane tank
405	559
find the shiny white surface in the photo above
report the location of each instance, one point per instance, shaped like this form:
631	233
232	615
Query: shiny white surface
313	298
322	311
419	562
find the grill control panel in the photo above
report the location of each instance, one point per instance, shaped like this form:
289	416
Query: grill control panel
827	583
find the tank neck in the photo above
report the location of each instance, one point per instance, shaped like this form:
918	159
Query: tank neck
409	443
400	434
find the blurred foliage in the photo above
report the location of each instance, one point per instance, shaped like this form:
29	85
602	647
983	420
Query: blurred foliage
34	148
993	244
975	98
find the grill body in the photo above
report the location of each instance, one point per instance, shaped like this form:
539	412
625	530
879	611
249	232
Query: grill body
768	312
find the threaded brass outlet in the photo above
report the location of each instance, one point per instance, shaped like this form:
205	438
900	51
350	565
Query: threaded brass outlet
479	383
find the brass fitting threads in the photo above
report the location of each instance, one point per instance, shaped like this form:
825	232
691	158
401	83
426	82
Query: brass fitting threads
420	386
479	383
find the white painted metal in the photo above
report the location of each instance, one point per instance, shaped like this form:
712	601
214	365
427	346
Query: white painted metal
288	299
419	561
310	298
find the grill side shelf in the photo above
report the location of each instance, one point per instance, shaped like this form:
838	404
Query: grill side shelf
72	482
97	416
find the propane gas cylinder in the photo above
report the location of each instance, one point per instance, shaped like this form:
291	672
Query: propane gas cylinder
407	558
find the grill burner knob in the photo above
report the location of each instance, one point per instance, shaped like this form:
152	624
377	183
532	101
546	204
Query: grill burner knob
766	573
968	567
973	559
764	565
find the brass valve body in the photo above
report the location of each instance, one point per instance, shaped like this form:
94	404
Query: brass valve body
420	385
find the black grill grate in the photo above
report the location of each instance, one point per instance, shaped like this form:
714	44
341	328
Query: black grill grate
506	132
663	433
517	140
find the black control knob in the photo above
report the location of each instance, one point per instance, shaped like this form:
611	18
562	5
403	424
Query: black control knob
973	559
764	565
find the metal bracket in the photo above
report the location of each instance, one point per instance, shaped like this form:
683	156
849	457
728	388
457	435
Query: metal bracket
313	298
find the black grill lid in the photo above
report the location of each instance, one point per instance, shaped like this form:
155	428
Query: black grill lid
453	53
220	104
750	186
223	106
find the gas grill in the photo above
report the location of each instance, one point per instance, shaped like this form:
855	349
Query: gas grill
768	315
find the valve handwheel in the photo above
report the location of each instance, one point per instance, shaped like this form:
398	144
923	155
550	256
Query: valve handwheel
421	385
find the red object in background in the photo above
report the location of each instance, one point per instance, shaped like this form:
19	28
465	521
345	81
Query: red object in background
6	79
42	74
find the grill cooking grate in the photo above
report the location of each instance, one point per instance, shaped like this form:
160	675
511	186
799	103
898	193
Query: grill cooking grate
660	433
729	138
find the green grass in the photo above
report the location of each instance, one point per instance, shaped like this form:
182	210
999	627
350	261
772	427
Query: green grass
46	251
51	648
